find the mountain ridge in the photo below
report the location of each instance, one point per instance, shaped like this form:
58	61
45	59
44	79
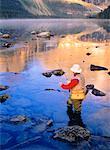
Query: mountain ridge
46	9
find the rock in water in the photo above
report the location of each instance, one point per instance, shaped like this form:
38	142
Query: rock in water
97	92
33	32
47	74
5	36
90	86
109	73
2	87
97	68
44	34
72	134
7	45
50	123
3	98
88	54
18	119
58	72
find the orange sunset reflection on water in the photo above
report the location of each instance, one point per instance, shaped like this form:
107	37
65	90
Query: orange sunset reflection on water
69	50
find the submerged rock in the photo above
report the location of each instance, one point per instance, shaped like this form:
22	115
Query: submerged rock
18	119
3	87
97	92
6	36
58	72
50	123
47	74
42	124
90	86
3	98
97	68
72	134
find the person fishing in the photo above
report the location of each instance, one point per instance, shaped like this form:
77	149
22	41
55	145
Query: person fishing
77	92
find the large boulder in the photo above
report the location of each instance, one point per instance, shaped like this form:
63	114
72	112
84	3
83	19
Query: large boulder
72	134
97	68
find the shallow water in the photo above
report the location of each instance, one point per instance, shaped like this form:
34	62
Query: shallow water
29	57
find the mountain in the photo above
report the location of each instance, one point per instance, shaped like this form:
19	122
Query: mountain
47	9
13	9
104	14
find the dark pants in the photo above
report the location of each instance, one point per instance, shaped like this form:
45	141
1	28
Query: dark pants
74	117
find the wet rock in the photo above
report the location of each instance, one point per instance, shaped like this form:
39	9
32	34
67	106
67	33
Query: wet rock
33	32
7	45
58	72
19	119
88	54
50	123
97	92
109	73
90	86
2	87
41	125
72	134
6	36
97	68
3	98
44	34
47	74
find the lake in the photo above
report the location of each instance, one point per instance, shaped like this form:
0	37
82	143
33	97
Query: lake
21	68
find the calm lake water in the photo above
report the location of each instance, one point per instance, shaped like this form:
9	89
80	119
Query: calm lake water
21	68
